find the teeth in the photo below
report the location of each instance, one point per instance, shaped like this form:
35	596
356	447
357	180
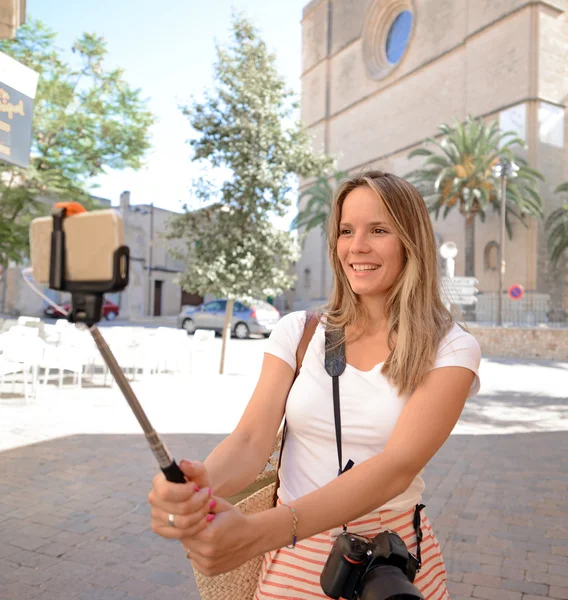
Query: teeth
365	267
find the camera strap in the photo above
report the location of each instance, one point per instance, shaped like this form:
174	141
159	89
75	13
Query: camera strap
418	531
335	364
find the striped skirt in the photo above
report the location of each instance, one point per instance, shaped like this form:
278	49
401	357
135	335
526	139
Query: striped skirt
294	574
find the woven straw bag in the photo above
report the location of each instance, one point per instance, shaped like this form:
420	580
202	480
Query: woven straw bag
241	583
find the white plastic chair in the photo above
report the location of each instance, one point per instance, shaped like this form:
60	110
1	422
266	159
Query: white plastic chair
22	350
61	359
8	367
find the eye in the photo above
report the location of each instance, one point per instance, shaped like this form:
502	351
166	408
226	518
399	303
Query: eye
379	231
344	231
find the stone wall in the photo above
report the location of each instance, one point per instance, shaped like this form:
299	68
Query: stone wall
522	342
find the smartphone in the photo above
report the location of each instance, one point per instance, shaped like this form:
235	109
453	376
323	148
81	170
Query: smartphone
91	242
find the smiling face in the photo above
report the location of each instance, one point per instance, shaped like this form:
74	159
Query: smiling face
370	252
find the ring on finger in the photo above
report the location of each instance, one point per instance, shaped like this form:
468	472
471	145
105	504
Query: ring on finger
171	520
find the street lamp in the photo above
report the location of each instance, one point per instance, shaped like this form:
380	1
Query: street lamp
504	169
448	252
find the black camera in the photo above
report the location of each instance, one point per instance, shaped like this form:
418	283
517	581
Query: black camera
359	568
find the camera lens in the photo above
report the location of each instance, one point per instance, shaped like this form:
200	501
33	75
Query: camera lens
358	549
386	582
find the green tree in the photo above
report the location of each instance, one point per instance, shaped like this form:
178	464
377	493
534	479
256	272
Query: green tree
458	173
87	119
245	130
557	227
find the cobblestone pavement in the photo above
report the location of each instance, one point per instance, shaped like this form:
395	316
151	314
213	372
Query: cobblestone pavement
75	472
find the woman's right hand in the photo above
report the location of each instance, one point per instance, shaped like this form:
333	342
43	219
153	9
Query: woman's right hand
190	503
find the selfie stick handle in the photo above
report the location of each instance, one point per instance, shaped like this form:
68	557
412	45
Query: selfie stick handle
168	465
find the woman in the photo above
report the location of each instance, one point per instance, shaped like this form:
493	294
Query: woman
409	372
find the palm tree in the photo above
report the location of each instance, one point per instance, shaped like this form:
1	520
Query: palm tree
557	227
317	209
316	214
461	174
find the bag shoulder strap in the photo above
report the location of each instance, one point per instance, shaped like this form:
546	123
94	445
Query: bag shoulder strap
310	326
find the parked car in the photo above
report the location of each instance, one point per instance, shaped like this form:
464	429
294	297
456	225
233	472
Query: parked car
257	318
110	310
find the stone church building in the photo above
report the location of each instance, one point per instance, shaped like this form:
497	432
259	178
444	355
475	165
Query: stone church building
379	76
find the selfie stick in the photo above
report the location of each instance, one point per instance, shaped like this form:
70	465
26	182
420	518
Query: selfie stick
167	463
87	302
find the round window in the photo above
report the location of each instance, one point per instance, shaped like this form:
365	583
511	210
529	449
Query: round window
387	34
398	36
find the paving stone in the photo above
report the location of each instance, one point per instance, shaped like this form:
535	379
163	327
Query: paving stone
75	526
19	591
59	595
167	578
548	578
67	538
104	578
36	530
28	542
505	572
65	568
488	593
139	587
526	587
549	558
35	560
66	585
482	579
29	575
558	592
102	594
459	589
45	519
87	556
53	549
7	550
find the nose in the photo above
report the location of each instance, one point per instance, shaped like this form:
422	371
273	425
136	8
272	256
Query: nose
359	244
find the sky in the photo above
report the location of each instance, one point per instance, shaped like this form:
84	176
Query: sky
167	49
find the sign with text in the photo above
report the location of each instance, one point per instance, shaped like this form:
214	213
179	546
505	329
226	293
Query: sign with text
18	86
459	290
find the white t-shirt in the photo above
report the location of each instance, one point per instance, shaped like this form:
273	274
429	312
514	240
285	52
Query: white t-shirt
370	408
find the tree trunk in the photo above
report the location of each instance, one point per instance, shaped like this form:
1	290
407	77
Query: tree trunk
226	332
4	282
470	245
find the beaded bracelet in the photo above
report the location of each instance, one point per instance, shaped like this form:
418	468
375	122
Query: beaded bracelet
294	525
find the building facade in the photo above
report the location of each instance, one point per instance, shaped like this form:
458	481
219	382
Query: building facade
12	15
152	290
379	76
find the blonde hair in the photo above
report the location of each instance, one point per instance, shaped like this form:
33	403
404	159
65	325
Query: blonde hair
417	317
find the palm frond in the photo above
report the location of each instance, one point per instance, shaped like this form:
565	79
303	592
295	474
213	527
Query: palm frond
467	151
420	152
557	229
317	208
